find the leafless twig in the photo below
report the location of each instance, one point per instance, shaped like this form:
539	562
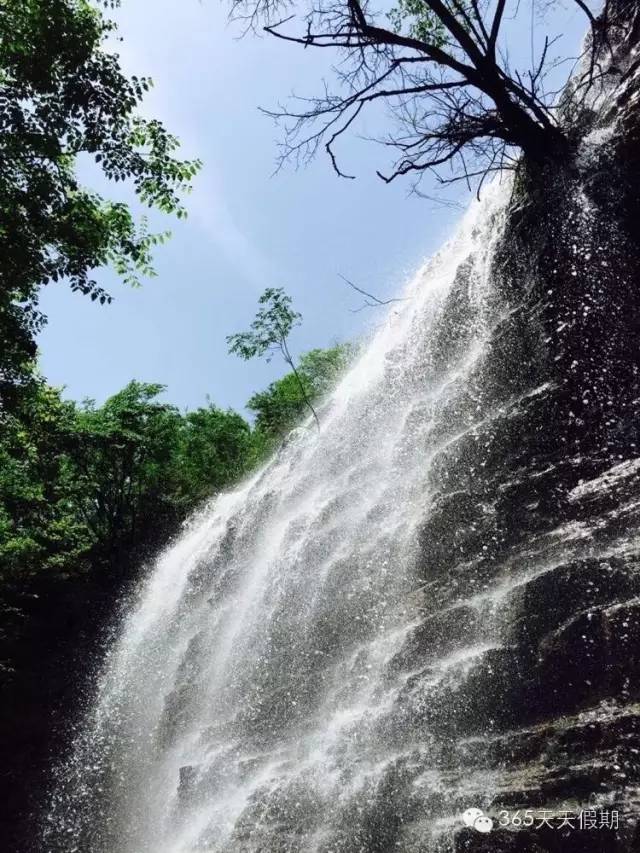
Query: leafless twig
371	301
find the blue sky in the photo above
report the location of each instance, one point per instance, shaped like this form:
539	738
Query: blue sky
247	229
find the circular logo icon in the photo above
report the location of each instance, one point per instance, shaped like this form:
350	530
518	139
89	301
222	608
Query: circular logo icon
483	824
471	816
477	819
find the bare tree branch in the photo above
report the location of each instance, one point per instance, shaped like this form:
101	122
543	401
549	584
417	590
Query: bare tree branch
444	74
375	301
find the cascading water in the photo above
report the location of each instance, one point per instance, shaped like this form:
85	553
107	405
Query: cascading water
256	697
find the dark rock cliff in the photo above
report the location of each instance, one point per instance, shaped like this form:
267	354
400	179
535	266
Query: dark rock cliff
536	515
62	632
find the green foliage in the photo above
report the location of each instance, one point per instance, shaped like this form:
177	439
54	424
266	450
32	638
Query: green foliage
283	403
102	484
62	95
40	529
121	457
270	329
416	19
216	448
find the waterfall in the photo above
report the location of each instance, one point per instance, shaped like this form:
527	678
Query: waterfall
260	693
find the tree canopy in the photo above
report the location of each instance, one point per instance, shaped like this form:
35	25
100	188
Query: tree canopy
63	96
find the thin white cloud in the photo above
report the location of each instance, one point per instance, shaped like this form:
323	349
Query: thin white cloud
208	208
175	37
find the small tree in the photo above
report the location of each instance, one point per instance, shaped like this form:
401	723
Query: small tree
269	335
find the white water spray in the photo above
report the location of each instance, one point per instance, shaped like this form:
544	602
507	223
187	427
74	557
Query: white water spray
251	701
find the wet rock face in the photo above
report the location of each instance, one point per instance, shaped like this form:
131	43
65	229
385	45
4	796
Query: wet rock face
534	520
